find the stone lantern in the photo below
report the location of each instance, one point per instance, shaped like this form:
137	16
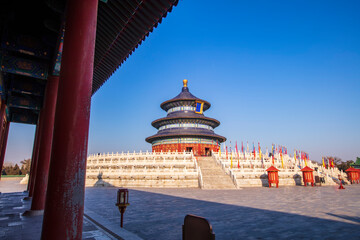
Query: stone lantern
273	176
308	176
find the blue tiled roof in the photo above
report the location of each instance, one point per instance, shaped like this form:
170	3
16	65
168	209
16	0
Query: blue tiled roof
183	96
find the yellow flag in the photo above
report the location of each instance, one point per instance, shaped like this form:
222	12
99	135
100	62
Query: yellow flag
219	151
231	163
323	163
282	162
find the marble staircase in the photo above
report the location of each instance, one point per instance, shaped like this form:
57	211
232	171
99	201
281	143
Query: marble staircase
213	176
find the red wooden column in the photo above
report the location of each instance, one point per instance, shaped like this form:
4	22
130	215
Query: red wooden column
33	159
36	154
2	115
4	143
64	207
45	142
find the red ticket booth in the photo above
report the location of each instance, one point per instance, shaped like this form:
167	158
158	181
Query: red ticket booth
273	176
308	175
353	175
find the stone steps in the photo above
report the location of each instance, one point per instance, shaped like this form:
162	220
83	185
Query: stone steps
213	176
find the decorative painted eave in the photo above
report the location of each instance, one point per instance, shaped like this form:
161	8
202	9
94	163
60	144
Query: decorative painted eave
122	26
185	134
31	40
166	120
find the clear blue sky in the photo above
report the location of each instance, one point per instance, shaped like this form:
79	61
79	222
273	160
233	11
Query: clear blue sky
284	72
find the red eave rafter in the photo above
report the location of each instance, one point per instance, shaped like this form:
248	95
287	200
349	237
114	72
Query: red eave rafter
138	14
126	26
116	39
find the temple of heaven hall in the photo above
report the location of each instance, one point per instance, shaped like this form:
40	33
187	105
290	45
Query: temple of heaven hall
185	128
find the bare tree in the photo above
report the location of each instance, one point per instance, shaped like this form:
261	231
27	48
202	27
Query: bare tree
340	164
25	167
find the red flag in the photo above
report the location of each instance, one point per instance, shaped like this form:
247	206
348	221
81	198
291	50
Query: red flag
254	151
237	153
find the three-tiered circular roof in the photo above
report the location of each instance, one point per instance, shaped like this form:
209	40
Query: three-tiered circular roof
185	98
183	120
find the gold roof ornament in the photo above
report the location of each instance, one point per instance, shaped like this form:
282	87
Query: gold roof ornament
185	82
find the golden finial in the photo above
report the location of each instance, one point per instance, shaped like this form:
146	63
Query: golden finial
185	82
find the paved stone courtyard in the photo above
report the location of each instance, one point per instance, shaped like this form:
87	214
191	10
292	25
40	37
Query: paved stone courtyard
15	226
249	213
11	184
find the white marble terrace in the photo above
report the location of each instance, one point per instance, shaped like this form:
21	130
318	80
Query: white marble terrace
181	170
143	169
246	171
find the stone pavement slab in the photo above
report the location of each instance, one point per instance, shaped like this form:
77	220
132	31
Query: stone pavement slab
112	227
13	225
252	213
11	184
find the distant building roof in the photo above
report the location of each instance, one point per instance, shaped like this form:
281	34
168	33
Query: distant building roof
191	117
356	164
184	121
184	98
180	132
307	169
272	169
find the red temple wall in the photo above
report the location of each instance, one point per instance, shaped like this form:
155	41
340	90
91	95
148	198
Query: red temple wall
197	148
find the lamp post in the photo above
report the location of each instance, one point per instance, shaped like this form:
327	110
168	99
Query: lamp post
122	202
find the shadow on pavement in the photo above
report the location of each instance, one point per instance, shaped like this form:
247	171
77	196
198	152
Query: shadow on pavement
350	218
159	216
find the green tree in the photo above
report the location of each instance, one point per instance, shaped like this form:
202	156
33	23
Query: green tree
7	169
14	170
